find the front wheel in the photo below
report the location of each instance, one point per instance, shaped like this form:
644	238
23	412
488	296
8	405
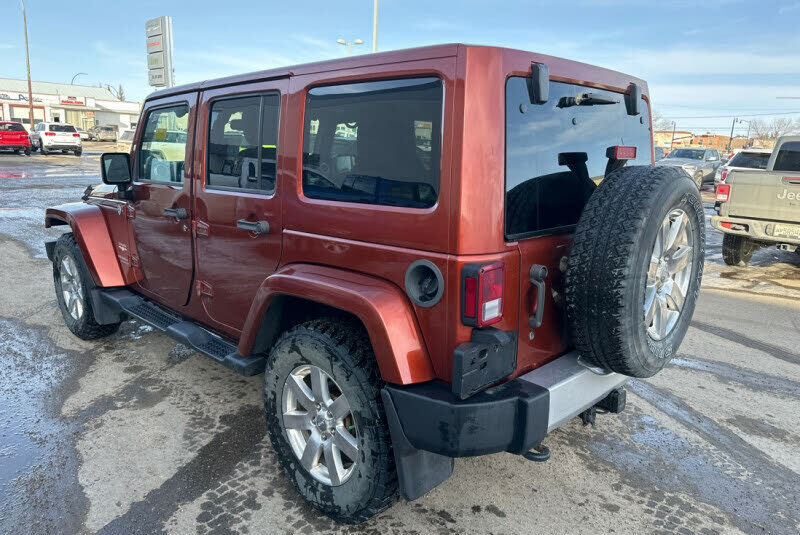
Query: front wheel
73	285
737	250
325	419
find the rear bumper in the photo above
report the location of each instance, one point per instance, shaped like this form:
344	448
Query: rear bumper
755	229
512	417
62	146
14	147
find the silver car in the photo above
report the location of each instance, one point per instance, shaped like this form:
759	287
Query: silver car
700	164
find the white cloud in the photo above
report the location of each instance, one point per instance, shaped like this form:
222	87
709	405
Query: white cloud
788	7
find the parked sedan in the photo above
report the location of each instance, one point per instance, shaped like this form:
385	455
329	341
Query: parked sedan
13	136
700	164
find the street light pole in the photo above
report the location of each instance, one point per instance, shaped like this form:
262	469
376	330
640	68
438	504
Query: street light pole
27	64
672	142
76	75
349	45
375	27
730	138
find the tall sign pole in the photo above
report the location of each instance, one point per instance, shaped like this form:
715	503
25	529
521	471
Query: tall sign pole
27	65
160	71
375	27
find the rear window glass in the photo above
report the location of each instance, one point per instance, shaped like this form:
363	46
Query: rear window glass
788	158
62	128
556	153
690	154
374	142
11	127
750	160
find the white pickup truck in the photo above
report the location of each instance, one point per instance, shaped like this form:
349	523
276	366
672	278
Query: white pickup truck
760	208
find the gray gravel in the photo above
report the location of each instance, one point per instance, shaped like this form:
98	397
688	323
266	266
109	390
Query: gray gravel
135	434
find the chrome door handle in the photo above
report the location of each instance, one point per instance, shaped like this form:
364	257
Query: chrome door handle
177	213
257	227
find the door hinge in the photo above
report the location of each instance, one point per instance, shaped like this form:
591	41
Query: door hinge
203	288
130	211
201	228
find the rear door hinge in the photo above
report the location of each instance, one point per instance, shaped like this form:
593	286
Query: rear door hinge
201	227
203	288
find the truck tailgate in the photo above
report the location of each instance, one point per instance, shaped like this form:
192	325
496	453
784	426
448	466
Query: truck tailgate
771	195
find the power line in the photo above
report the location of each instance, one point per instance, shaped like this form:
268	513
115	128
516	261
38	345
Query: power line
736	115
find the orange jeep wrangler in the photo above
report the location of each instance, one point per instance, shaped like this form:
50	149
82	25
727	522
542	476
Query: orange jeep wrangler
430	253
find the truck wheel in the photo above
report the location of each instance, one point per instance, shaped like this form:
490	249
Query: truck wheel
73	284
325	419
737	250
634	271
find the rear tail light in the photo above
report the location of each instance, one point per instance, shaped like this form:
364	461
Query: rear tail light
76	135
723	192
482	289
621	152
49	133
726	224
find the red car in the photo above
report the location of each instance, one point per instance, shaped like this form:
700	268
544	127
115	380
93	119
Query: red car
411	246
13	136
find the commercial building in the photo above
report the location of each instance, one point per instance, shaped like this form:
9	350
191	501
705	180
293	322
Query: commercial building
664	138
80	105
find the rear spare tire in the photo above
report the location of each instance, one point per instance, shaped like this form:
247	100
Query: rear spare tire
634	271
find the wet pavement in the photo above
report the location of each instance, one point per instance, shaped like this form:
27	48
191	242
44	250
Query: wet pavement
135	434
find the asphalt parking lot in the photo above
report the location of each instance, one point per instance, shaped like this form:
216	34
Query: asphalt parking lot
135	434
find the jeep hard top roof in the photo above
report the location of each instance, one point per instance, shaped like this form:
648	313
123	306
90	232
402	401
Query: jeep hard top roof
560	69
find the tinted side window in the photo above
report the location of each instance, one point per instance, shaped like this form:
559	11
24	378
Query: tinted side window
162	153
788	158
243	143
556	153
374	142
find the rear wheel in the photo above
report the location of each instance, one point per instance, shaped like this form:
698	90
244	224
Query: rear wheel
73	285
45	152
325	419
634	271
737	250
27	151
78	152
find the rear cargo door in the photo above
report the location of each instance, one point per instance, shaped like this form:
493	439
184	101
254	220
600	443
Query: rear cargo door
12	134
556	154
64	134
772	195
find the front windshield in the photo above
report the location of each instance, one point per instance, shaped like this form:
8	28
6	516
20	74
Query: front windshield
691	154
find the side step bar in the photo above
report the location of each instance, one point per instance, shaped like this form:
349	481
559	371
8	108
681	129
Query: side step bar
185	332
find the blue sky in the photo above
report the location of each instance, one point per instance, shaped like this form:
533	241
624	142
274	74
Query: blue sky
701	58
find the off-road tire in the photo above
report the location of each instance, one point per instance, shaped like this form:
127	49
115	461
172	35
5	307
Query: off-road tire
341	348
737	250
608	265
86	327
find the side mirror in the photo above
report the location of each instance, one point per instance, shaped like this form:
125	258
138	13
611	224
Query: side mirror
115	168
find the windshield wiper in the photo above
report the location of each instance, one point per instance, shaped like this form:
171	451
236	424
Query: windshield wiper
585	99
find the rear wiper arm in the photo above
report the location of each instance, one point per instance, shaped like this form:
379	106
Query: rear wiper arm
585	99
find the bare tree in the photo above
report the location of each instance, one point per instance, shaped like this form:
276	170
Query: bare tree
763	130
118	92
660	123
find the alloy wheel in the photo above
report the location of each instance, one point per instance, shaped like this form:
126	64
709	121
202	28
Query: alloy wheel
72	287
669	274
320	425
